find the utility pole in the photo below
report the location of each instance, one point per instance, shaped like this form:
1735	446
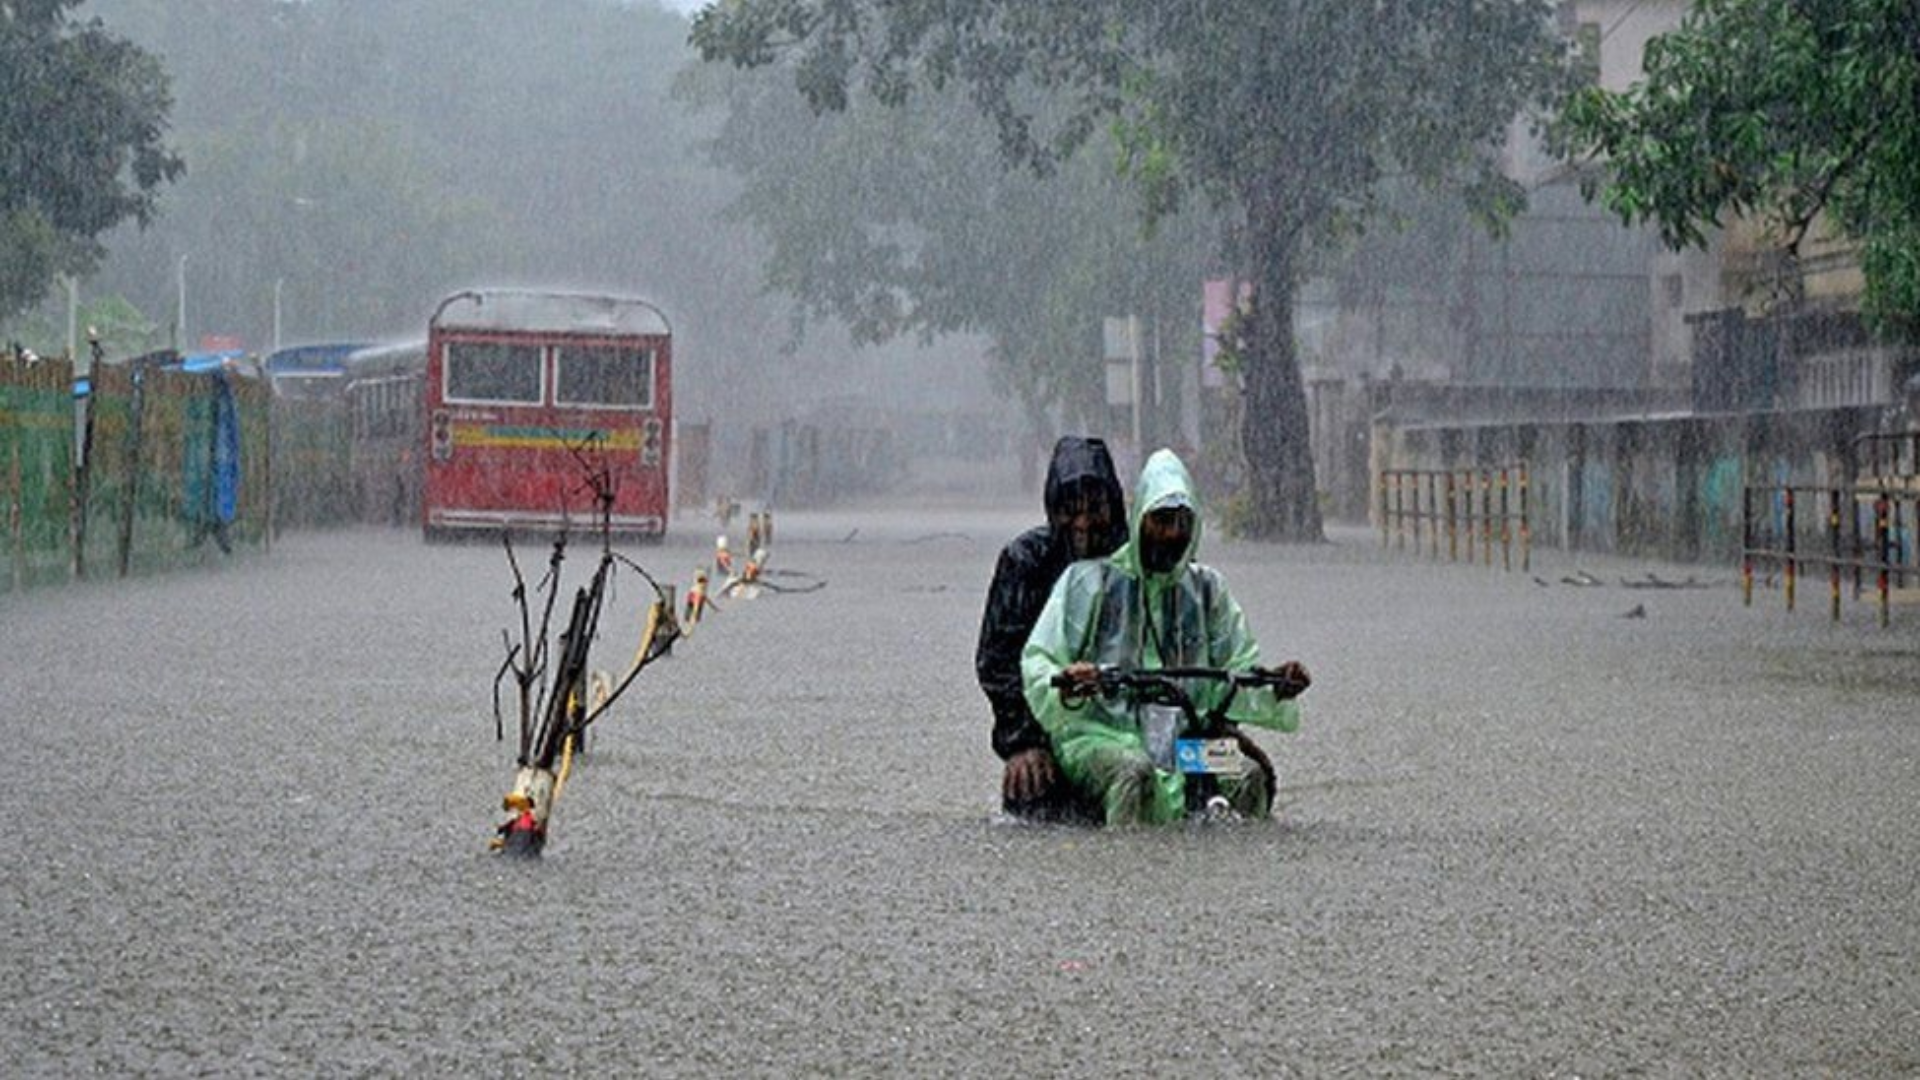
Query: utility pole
73	317
180	306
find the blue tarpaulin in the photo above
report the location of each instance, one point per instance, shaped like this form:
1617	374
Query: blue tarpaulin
212	472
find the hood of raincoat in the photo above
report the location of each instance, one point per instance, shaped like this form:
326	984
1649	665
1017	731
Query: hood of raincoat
1164	482
1079	461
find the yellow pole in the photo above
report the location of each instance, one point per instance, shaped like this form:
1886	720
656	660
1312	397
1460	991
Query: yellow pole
1833	551
1526	528
1506	526
1486	515
1385	527
1453	518
1746	546
1881	537
1792	564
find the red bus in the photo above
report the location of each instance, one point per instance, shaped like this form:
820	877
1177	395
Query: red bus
385	431
521	386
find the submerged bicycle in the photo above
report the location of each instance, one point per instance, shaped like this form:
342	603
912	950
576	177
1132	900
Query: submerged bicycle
1202	746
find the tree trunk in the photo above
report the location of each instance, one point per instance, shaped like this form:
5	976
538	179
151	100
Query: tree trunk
1273	424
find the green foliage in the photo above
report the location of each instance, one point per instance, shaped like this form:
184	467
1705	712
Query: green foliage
124	329
1285	114
1207	97
81	117
903	221
1779	110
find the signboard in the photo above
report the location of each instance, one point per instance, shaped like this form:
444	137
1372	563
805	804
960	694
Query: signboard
1118	338
1220	757
1120	344
1120	383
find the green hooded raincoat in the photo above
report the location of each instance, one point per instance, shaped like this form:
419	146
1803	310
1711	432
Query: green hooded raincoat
1111	611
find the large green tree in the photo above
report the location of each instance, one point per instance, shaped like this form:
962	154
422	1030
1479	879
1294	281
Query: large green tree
1286	114
901	221
82	115
1781	110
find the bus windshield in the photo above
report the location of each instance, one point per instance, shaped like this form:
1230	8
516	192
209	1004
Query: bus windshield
614	378
493	372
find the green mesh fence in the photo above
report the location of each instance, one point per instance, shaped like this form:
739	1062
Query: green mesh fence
148	479
311	464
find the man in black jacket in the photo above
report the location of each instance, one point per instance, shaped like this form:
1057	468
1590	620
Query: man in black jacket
1086	519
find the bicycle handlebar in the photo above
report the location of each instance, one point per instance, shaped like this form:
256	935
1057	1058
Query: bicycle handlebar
1111	680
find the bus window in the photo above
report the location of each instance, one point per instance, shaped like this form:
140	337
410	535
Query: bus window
493	371
604	377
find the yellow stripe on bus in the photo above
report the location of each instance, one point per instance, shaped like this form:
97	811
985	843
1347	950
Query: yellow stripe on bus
523	438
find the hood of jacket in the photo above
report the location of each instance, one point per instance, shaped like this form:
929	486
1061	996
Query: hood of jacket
1164	482
1080	462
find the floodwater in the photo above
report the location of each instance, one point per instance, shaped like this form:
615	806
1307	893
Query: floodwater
1519	832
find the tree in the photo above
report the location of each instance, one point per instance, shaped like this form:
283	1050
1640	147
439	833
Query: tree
1781	110
81	118
123	329
1283	113
900	221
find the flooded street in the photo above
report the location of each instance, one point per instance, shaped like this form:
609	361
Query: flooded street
1518	832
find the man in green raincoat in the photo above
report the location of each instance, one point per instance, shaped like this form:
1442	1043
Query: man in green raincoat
1147	606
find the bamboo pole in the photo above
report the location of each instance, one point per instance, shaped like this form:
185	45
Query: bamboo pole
135	436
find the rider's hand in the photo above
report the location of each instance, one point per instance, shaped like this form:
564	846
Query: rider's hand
1081	679
1294	674
1030	774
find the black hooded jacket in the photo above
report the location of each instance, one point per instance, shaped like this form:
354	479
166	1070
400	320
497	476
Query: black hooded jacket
1024	579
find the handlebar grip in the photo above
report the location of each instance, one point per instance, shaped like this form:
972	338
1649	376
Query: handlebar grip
1285	686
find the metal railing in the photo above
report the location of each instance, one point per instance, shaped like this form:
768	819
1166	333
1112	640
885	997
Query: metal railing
1484	503
1856	530
1888	459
